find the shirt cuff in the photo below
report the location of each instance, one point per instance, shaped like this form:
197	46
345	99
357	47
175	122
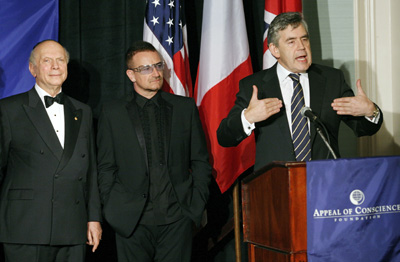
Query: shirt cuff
247	127
374	120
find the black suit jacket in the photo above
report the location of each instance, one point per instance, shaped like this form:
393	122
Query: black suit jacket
123	168
48	194
273	138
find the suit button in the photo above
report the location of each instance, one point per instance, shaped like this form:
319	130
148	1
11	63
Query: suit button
56	176
144	195
83	155
77	202
41	152
80	178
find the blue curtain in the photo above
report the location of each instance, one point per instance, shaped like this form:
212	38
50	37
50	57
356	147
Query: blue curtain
22	25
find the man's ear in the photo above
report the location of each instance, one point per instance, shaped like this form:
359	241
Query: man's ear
131	75
32	69
274	50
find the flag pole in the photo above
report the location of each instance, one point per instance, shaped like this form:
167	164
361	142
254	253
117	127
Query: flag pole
236	219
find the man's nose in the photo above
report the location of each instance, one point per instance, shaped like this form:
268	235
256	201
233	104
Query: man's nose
55	65
154	71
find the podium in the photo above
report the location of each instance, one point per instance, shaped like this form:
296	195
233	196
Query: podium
274	212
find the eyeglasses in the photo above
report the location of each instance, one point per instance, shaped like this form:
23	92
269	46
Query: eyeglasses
148	69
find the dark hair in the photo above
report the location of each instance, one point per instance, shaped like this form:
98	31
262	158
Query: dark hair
137	47
281	22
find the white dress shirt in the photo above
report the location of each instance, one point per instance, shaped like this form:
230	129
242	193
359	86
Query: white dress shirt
286	85
55	113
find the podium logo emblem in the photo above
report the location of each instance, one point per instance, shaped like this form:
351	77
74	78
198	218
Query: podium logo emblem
357	197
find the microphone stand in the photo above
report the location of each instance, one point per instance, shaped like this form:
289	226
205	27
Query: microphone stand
307	113
318	125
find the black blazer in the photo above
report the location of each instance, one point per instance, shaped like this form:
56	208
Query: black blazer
48	194
122	161
273	138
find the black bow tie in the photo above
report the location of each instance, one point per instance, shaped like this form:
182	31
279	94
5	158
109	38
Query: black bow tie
48	100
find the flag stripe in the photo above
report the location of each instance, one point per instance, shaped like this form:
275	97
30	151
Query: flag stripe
224	61
222	47
228	163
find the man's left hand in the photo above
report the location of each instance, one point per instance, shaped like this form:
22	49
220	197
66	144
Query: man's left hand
94	234
358	105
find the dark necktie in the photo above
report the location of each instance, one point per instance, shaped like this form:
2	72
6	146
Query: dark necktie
48	100
300	133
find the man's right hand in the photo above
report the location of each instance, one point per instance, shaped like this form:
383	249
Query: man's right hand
260	110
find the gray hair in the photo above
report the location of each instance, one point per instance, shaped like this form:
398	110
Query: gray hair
33	52
281	22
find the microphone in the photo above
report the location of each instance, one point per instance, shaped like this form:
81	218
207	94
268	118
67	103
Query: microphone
308	113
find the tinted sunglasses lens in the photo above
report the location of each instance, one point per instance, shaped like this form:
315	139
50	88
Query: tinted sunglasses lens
146	70
159	66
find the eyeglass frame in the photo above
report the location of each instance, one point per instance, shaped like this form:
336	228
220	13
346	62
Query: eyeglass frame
139	69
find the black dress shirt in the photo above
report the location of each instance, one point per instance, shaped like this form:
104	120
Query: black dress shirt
162	206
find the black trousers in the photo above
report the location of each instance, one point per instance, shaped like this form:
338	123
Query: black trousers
44	253
166	243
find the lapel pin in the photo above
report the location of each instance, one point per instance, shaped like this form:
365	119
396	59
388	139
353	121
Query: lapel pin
76	118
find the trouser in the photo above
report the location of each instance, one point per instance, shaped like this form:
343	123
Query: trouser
44	253
166	243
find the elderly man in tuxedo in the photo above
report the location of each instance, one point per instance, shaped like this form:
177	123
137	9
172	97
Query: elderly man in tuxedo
269	102
49	198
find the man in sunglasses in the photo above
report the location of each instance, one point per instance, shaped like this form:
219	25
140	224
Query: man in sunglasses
153	165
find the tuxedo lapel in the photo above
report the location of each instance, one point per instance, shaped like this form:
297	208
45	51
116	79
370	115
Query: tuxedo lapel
40	120
72	118
133	113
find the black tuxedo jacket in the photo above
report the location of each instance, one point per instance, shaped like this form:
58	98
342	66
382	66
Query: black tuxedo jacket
273	138
48	194
123	168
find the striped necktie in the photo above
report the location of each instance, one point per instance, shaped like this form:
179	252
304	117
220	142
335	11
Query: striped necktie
300	133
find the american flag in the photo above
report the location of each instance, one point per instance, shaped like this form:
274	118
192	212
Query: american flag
272	9
165	28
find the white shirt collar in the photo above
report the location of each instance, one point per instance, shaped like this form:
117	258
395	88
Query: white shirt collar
283	73
42	93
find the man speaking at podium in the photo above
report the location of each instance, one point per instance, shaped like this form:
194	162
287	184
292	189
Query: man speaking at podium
270	102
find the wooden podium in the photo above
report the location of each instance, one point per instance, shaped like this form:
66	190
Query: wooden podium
275	213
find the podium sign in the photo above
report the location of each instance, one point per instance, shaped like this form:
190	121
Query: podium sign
353	209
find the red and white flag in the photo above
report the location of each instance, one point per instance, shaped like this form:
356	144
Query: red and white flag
272	9
165	28
224	60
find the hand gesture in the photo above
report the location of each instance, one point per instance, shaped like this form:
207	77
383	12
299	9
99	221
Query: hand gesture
260	110
358	105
